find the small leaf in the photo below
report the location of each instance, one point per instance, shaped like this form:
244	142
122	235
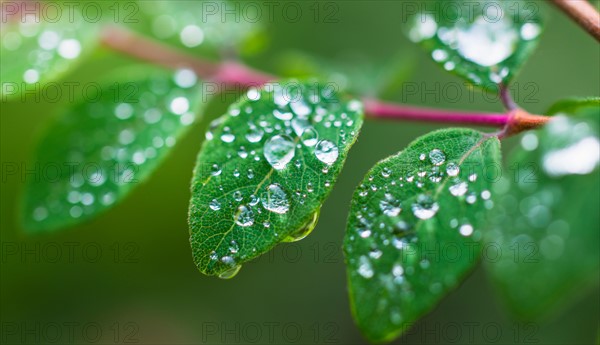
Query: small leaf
414	228
484	42
572	105
547	220
261	179
37	51
98	150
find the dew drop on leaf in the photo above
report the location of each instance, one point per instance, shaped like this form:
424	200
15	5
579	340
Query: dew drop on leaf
305	230
244	216
275	199
437	157
279	151
425	207
326	152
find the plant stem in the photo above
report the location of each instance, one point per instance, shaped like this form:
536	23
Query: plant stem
582	12
378	109
229	72
233	73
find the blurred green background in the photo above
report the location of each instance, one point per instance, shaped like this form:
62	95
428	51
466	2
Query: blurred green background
142	285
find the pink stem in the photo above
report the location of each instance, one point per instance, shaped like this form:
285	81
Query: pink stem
233	73
377	109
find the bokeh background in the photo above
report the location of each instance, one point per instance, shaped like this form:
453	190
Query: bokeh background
143	286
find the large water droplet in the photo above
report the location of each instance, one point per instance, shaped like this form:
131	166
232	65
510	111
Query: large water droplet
230	273
437	157
309	136
326	152
452	169
458	188
425	207
279	151
484	42
244	216
304	230
275	199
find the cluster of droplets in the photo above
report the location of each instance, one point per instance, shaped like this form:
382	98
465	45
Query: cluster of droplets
383	219
110	145
287	129
50	46
484	41
386	224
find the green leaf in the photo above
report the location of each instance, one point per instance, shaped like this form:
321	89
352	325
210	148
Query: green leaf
202	26
572	105
414	228
98	149
261	179
34	51
485	42
547	220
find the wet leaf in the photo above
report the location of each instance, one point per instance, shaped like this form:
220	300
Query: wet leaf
485	42
547	220
414	228
99	149
35	52
265	171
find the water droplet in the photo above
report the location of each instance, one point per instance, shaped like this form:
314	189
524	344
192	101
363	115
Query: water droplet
300	108
227	136
283	115
237	196
69	49
214	205
244	216
364	233
279	151
326	152
424	27
466	230
185	78
530	31
439	55
390	206
437	157
452	169
425	207
580	158
191	36
364	267
179	105
484	42
309	136
255	134
458	188
215	170
275	199
529	141
230	273
304	230
253	94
